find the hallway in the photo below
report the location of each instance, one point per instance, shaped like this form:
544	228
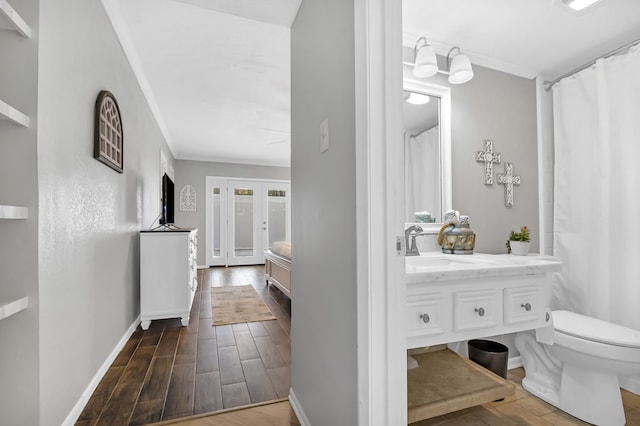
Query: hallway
169	371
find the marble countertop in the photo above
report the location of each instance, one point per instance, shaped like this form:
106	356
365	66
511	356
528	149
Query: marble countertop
437	266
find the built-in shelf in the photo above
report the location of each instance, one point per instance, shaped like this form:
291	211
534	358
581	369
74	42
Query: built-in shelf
13	212
7	112
13	308
10	19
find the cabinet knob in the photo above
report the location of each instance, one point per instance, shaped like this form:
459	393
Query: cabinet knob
480	311
425	318
526	306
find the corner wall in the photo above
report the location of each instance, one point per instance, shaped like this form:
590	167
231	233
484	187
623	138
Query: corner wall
324	327
90	215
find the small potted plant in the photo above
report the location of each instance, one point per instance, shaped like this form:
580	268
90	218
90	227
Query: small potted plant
519	242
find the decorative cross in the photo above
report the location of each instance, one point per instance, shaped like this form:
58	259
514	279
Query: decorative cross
488	157
508	179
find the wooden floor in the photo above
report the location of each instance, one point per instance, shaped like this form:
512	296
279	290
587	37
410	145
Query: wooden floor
522	408
169	371
517	410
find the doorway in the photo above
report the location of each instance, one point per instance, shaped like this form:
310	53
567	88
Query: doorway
244	217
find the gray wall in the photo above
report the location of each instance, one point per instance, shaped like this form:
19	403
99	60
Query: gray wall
90	215
194	173
500	107
323	330
19	238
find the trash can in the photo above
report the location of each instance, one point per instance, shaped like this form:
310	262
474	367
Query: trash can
493	356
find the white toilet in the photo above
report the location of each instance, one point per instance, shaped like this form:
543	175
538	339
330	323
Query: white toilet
578	373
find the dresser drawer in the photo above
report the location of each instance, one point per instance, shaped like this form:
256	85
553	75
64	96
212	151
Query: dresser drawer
522	304
473	310
425	316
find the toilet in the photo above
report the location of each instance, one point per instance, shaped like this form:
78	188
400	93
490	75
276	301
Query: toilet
578	371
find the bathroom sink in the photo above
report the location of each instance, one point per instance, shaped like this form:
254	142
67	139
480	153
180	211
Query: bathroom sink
432	266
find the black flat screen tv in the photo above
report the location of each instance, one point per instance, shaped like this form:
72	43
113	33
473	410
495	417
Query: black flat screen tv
167	201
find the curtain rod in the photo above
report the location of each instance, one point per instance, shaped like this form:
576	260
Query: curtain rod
549	84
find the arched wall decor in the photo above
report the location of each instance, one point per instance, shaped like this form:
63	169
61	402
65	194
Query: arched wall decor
107	137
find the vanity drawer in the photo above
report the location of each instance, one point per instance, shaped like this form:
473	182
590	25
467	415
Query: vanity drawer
425	316
522	304
473	310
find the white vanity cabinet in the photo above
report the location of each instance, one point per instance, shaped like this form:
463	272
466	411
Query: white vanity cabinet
168	274
453	299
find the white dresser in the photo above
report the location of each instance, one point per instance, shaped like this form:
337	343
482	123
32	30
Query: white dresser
168	274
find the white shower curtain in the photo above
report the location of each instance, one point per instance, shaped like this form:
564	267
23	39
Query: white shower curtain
422	173
597	190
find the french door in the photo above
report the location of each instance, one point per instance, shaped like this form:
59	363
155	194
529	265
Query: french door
244	217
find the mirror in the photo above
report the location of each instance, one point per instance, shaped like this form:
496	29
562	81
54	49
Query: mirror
427	147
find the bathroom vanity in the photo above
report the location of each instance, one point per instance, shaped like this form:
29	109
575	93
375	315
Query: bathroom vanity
452	298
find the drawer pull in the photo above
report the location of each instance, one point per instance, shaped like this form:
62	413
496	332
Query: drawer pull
425	318
480	311
526	306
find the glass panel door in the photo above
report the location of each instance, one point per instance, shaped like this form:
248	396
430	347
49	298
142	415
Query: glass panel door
245	240
275	222
216	222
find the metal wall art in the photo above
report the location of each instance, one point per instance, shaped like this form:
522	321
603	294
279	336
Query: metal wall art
188	199
107	134
488	157
508	180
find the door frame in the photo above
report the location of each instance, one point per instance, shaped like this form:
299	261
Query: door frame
381	286
210	183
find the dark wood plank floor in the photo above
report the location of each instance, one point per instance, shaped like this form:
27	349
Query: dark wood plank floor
169	371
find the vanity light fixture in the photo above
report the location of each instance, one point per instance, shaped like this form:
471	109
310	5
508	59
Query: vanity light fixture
426	64
425	61
459	66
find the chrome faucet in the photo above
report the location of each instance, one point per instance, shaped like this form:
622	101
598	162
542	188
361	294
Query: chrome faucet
409	232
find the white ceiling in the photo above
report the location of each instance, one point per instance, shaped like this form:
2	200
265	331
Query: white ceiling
523	37
217	72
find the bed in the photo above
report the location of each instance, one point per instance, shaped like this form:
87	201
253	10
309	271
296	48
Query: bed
277	265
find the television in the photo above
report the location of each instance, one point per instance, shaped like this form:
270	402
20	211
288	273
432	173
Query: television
167	201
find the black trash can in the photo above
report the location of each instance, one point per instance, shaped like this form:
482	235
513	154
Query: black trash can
493	356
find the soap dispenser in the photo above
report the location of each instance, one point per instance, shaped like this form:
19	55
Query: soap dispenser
456	236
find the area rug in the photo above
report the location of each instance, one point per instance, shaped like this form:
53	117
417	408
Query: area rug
236	304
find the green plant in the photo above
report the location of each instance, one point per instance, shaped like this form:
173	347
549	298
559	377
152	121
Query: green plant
524	236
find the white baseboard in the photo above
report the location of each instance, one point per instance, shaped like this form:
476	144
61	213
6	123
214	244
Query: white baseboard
75	412
203	267
632	384
297	408
514	362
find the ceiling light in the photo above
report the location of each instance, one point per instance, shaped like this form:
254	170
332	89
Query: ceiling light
579	4
459	66
417	99
425	61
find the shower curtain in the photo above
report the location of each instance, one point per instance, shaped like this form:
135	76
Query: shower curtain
597	190
422	173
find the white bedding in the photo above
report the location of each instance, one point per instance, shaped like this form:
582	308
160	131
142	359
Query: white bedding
282	248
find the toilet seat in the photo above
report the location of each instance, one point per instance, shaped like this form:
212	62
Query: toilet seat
595	330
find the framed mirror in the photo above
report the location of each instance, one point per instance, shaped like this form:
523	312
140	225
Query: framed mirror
427	147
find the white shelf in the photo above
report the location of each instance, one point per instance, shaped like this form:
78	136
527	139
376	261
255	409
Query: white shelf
13	212
15	21
13	307
7	112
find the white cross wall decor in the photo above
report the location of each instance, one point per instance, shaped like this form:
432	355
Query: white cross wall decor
488	157
508	180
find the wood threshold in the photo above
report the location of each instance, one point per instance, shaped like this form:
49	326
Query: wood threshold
446	382
216	413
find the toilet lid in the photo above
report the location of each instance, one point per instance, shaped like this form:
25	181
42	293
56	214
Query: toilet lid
595	330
